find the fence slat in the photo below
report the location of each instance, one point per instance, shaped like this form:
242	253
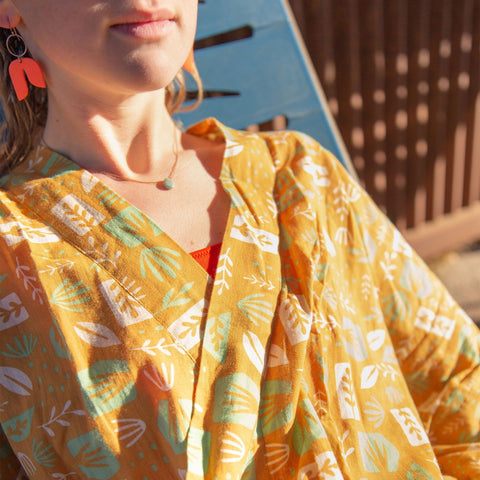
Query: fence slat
403	80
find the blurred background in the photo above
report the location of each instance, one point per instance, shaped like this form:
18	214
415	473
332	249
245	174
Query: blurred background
402	79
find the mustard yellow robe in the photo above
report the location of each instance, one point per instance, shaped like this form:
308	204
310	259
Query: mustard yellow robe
322	349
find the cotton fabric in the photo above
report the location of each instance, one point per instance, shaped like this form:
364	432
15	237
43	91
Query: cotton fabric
322	348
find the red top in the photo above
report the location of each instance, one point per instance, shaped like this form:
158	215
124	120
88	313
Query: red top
208	258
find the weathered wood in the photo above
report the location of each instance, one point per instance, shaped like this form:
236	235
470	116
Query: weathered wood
403	80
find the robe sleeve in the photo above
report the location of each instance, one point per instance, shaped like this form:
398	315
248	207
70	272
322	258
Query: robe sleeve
436	343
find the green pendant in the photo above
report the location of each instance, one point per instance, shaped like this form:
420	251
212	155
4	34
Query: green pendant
168	184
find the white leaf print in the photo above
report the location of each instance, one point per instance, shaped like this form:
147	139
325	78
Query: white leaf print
254	349
400	245
296	318
325	467
389	356
329	245
12	311
27	465
63	476
232	149
15	381
131	428
343	236
319	173
260	282
376	339
353	339
165	381
277	357
57	418
161	346
411	426
76	214
277	456
369	376
370	248
243	231
29	281
182	474
346	392
375	412
96	335
15	232
223	271
233	446
88	181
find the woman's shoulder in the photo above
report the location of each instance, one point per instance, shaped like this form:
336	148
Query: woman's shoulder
291	148
285	147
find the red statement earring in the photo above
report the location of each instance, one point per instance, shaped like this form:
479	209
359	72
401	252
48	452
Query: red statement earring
22	68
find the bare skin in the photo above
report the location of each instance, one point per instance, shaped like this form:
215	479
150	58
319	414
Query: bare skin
106	111
195	212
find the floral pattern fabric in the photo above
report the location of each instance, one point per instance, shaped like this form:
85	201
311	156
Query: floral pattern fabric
322	347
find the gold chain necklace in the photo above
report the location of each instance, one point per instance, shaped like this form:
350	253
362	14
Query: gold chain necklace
166	183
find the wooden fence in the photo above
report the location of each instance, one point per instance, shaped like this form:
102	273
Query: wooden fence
402	78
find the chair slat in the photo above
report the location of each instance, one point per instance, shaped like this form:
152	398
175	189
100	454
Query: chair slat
216	16
269	72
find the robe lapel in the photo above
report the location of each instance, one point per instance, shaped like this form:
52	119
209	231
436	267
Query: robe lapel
222	324
242	305
144	267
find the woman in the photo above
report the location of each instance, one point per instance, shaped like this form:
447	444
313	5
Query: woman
319	346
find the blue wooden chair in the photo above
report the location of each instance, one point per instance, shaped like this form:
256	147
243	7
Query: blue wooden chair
264	74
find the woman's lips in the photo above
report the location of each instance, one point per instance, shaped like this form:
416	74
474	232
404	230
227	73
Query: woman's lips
146	30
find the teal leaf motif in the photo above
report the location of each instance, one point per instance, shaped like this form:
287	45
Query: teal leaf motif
468	346
18	428
173	421
236	400
93	456
418	381
321	271
157	260
58	341
227	176
275	405
455	401
130	227
307	427
416	472
70	297
397	306
106	386
256	309
217	330
378	454
468	437
22	350
57	165
43	453
169	302
416	279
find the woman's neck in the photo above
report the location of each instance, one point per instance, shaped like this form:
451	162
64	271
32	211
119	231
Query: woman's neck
135	138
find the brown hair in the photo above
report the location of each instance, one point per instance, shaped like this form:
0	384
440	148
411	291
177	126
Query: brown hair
23	121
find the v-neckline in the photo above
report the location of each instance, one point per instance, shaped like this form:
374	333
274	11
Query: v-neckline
101	188
81	204
59	179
